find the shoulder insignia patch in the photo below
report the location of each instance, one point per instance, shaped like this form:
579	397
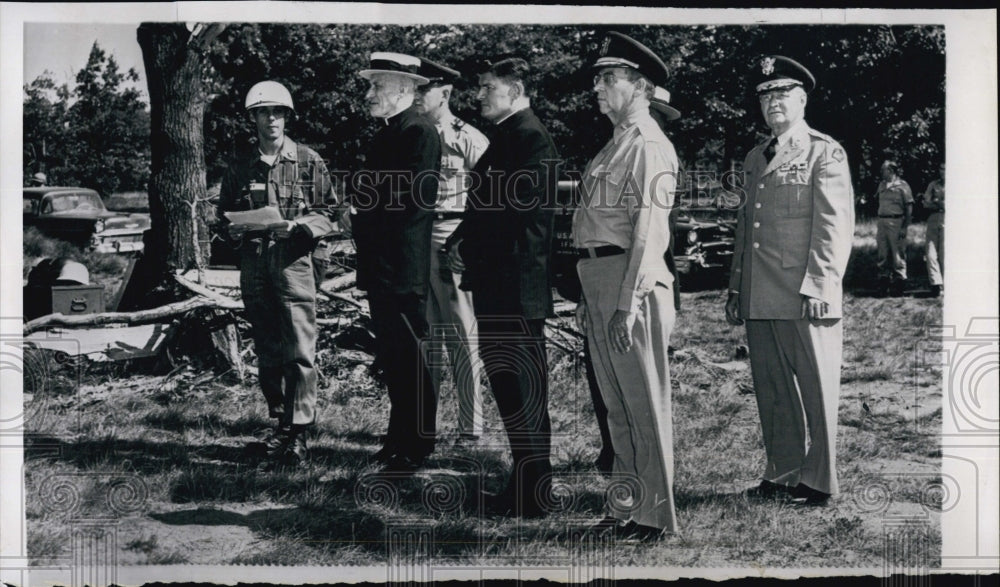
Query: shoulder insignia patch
838	154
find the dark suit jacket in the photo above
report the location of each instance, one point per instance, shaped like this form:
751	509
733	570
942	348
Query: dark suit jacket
394	196
507	228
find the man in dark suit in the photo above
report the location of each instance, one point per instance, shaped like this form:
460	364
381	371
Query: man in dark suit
502	248
394	197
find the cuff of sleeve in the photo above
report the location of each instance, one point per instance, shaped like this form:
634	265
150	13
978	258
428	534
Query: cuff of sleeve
821	288
627	301
735	279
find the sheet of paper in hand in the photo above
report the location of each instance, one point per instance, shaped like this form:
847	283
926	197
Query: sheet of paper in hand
259	219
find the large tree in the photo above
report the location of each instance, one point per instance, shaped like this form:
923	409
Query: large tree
176	60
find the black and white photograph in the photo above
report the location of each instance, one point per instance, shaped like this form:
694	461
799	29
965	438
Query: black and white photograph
335	293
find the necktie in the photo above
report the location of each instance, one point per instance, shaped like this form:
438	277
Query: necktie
771	149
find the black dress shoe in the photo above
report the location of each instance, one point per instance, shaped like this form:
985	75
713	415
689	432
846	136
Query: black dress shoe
805	496
399	463
383	455
633	532
494	504
608	524
277	442
505	504
767	490
296	453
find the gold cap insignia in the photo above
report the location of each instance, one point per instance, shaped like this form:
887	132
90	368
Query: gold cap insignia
767	65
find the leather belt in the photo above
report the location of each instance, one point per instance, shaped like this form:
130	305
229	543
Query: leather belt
596	252
447	215
890	215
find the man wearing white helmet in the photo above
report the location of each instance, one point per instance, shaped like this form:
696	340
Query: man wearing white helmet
276	265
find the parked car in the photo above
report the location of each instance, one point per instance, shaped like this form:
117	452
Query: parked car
700	245
78	215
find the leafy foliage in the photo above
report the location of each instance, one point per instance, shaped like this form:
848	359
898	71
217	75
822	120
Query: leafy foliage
880	92
95	135
880	89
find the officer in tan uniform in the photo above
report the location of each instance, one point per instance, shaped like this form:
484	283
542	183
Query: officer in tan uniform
793	239
627	309
934	255
895	210
450	313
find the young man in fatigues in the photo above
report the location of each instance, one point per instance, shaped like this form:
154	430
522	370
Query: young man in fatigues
276	270
793	239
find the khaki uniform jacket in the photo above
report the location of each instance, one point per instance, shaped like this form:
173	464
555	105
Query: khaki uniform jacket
794	233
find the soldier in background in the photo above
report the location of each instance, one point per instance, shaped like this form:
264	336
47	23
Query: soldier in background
450	314
934	203
895	211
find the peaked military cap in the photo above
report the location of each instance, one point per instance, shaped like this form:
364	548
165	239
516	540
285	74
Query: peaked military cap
775	72
437	73
398	63
621	50
661	103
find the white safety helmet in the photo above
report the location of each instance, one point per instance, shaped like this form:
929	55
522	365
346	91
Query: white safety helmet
269	93
73	271
40	178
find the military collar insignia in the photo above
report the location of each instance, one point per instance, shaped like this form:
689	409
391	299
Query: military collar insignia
767	65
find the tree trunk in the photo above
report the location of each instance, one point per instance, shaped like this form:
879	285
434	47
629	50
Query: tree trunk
175	63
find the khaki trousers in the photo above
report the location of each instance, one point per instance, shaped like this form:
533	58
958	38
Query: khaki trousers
636	388
891	249
452	323
796	376
935	248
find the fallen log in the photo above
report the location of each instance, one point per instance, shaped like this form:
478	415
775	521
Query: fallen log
128	318
340	282
348	300
202	290
334	321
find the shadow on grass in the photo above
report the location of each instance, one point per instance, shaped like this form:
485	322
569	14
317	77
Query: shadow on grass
180	419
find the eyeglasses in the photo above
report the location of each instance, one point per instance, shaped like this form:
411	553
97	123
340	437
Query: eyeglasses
608	78
775	97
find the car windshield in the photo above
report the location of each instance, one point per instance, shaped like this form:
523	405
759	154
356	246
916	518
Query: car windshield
75	202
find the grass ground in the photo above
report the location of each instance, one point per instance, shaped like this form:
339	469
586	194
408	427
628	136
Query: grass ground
163	455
